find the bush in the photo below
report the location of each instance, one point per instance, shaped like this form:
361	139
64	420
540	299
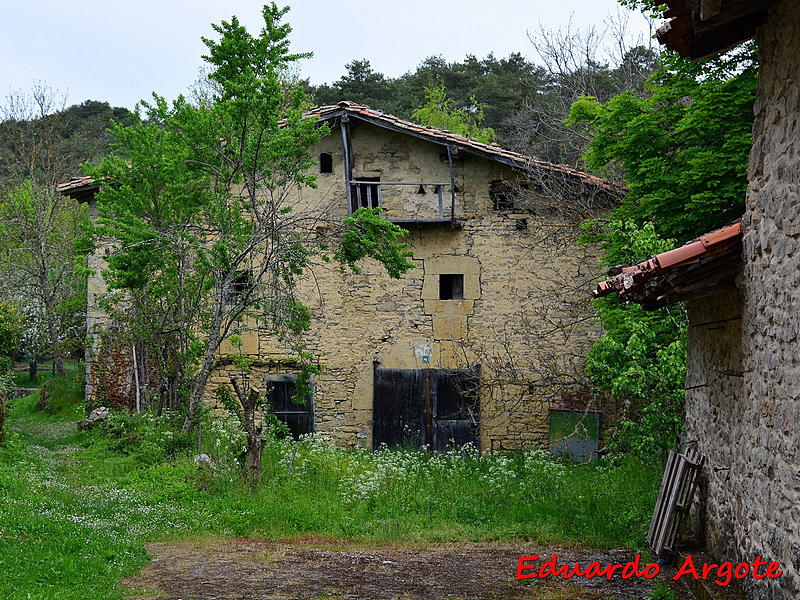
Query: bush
60	395
149	438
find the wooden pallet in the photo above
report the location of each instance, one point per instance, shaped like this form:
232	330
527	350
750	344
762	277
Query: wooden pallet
680	480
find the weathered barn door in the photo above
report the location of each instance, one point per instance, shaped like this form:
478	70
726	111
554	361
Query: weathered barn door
417	407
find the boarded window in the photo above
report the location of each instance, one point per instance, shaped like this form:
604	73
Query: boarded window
417	407
451	286
299	418
502	196
241	285
326	162
365	194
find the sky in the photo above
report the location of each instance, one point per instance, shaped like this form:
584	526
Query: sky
122	51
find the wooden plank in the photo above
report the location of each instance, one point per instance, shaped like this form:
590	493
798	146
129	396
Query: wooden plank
662	493
441	207
678	486
709	8
346	153
452	184
415	183
669	502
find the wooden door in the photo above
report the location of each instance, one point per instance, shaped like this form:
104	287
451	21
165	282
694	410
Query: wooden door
437	408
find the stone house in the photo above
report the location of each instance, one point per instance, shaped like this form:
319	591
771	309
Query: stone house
743	287
445	352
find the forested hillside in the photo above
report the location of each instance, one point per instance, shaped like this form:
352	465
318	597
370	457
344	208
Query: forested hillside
525	103
81	131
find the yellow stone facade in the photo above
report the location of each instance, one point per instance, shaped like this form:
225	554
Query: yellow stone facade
367	320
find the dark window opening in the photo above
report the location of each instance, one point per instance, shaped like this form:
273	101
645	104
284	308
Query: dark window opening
502	196
421	189
326	162
451	286
241	285
299	418
365	195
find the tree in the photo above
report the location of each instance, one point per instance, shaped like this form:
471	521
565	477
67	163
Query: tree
41	232
10	334
439	111
577	63
683	149
202	205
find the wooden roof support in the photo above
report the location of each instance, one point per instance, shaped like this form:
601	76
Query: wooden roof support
346	152
452	184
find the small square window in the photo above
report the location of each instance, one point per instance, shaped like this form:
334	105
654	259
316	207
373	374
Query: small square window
326	162
451	286
502	196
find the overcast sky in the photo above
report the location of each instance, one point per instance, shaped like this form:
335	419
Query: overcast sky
121	51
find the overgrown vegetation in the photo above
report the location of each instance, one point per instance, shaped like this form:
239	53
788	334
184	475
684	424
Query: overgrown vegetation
683	148
204	208
77	507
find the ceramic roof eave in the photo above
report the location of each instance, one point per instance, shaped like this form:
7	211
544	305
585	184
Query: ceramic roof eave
660	280
446	138
433	135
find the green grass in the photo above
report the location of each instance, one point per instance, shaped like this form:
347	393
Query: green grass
77	507
45	373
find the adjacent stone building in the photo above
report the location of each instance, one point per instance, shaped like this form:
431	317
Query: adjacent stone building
743	283
467	346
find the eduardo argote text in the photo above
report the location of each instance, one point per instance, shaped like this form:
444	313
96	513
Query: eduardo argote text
529	567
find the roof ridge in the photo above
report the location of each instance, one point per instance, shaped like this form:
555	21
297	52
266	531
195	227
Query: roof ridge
332	110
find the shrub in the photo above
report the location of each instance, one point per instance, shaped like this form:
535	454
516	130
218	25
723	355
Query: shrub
149	438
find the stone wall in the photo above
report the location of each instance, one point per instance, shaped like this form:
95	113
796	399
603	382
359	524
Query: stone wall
510	274
763	508
525	312
716	409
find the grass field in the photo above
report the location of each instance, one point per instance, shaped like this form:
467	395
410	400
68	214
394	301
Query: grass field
44	373
77	507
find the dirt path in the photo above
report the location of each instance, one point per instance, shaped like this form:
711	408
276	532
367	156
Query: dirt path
246	569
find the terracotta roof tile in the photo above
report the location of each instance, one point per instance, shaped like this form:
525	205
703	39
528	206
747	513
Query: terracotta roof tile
441	135
74	184
492	151
629	282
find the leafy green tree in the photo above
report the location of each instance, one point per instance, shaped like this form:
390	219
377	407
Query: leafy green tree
683	149
501	84
10	337
202	206
41	232
440	111
641	358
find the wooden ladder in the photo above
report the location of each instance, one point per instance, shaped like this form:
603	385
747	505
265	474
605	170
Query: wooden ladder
680	480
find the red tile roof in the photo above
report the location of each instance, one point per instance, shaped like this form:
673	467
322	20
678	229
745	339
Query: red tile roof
491	151
440	136
696	31
661	279
74	184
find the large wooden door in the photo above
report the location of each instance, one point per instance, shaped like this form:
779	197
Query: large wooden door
437	408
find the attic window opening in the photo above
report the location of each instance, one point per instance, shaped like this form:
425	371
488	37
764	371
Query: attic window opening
451	286
326	162
502	196
365	194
